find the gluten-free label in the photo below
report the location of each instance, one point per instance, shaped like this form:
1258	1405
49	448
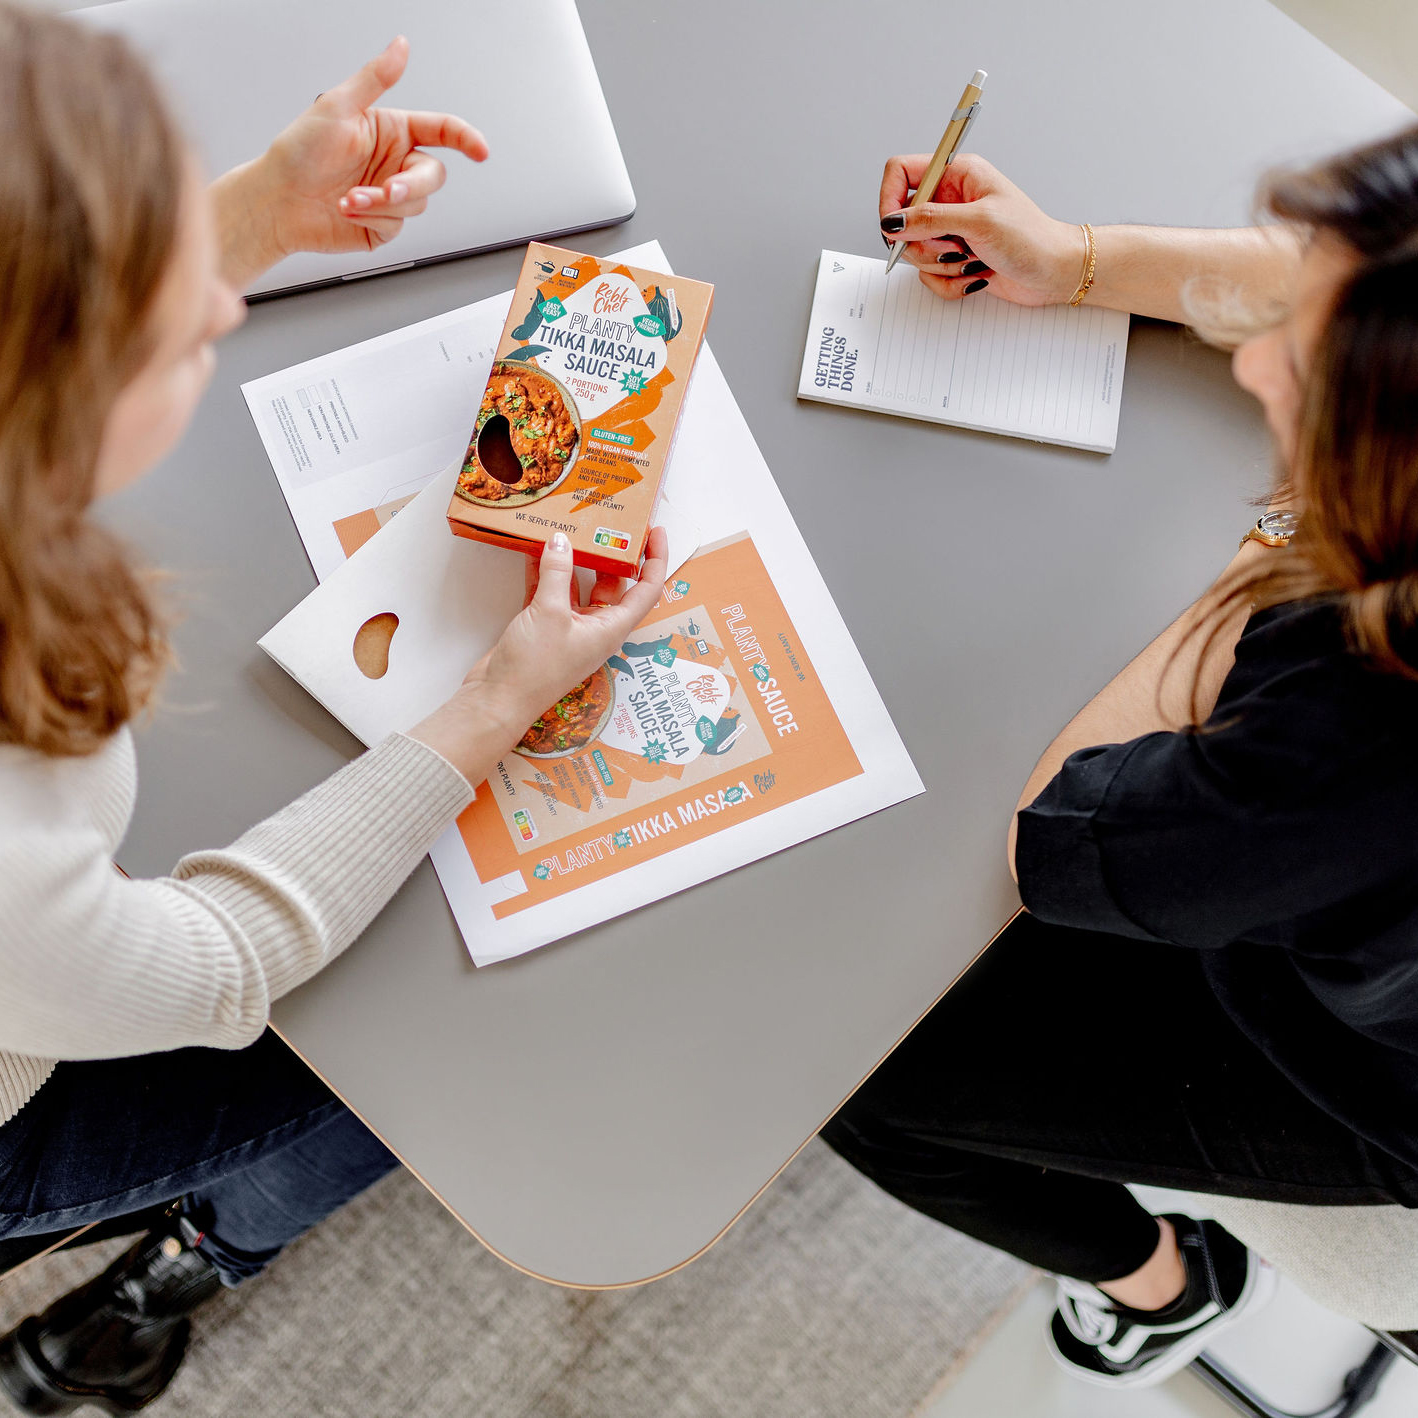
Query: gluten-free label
625	440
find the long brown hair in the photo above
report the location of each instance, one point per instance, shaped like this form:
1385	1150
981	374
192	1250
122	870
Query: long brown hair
1356	457
91	178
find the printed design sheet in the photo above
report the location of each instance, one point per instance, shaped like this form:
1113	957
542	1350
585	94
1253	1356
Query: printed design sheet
738	720
713	714
1052	373
354	435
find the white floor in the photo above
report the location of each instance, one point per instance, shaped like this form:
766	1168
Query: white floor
1378	36
1295	1353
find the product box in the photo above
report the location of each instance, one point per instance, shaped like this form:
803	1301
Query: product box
578	418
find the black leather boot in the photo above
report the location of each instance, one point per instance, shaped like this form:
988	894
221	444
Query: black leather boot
117	1341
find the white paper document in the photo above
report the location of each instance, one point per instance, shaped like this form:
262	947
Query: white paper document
739	720
1052	373
353	435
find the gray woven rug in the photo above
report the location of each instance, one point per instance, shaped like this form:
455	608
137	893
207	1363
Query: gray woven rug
828	1300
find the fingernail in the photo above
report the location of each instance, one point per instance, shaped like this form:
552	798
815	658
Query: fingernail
895	222
358	199
560	542
974	268
946	258
886	241
398	191
974	286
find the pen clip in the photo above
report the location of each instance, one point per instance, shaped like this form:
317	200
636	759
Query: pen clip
968	114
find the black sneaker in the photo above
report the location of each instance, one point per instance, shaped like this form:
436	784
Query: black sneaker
1097	1339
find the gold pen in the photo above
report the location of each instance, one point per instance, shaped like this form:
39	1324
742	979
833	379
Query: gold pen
948	146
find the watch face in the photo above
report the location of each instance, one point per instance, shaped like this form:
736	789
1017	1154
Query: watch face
1279	524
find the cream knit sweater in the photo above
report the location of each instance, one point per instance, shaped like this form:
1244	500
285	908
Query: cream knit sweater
95	966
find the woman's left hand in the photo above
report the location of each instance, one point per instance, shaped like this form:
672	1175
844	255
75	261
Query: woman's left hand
343	177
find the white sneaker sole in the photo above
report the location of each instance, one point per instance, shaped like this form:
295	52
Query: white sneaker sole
1258	1292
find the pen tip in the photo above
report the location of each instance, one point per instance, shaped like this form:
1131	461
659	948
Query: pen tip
979	80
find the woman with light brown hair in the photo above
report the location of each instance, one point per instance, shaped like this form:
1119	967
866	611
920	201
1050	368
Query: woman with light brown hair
1215	985
118	270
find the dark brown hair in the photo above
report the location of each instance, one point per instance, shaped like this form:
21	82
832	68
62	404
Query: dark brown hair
1356	456
91	179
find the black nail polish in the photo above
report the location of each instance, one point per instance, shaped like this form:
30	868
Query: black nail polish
974	286
974	268
947	258
959	241
886	241
895	222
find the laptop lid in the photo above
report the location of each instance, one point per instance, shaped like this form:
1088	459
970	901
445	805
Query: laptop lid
238	71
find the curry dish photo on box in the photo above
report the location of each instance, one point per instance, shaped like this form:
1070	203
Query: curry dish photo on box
527	434
573	721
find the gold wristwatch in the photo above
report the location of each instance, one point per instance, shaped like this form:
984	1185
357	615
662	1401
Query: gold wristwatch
1273	529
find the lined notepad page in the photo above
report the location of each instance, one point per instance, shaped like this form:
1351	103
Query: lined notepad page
1052	373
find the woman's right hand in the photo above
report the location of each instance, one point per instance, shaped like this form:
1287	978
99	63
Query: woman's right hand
553	644
980	227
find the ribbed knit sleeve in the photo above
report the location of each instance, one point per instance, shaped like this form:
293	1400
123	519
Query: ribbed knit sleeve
93	965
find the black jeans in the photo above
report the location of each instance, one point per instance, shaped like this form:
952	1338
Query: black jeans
1067	1063
263	1148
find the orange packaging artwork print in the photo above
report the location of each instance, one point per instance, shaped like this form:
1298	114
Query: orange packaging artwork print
579	414
709	714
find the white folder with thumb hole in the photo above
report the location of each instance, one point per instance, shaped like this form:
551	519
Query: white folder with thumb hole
452	597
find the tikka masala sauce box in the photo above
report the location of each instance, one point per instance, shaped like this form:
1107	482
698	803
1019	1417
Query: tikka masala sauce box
579	414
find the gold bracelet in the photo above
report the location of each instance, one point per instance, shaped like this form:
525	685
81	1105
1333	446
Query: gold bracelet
1089	266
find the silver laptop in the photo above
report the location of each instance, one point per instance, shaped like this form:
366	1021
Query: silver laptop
239	70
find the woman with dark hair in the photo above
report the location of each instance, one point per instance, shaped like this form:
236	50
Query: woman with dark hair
1215	984
136	1073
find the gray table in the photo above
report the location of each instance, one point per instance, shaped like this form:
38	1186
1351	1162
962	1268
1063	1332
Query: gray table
600	1111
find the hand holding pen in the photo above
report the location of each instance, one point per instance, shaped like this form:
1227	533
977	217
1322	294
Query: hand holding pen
977	230
949	145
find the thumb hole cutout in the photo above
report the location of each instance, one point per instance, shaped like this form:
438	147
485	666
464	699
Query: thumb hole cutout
496	453
371	644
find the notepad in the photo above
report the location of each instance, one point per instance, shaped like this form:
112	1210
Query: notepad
1052	373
